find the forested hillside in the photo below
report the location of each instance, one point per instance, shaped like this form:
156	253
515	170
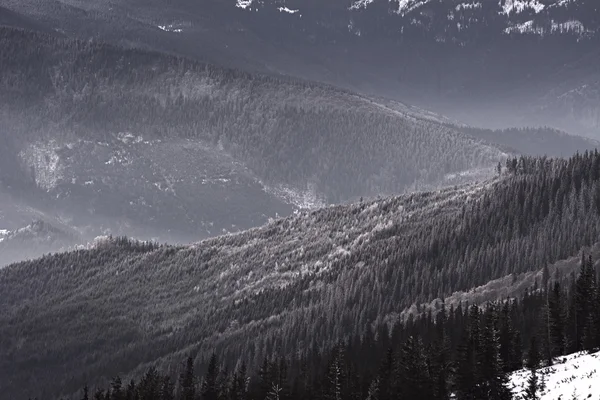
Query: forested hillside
286	131
462	352
296	285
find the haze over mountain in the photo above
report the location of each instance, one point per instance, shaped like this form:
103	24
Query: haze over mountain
493	63
108	140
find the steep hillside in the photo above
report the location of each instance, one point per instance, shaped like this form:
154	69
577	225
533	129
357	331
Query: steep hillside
232	293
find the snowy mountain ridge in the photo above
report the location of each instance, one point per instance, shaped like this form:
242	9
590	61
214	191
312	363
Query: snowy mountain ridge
446	18
576	376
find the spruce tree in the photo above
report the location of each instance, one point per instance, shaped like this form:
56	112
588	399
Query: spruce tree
373	393
131	392
187	381
86	393
117	389
467	372
385	381
584	303
556	321
507	337
533	363
414	379
494	380
210	391
167	389
335	375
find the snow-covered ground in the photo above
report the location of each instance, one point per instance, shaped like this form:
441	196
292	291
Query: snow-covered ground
576	376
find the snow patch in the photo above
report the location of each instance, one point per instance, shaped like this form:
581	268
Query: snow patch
360	4
521	28
406	6
287	10
127	138
303	199
468	6
518	6
243	3
576	374
571	26
170	28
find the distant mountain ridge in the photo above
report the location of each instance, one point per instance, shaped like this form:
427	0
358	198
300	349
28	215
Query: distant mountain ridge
491	63
457	21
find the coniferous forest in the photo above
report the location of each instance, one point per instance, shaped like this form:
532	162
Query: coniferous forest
463	352
232	297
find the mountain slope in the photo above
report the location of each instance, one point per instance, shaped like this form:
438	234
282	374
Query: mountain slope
156	147
230	294
153	146
496	64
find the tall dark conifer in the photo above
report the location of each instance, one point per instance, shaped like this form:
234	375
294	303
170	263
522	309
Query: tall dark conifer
210	391
494	380
556	321
187	381
533	363
413	371
467	373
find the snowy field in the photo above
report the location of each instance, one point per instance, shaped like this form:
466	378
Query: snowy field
576	376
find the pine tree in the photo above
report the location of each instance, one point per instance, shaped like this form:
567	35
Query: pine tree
440	358
556	321
210	391
335	375
274	392
239	385
386	372
494	380
150	385
413	371
507	337
167	389
266	378
373	393
131	392
584	297
187	381
223	384
467	373
86	393
117	390
533	363
99	394
597	314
